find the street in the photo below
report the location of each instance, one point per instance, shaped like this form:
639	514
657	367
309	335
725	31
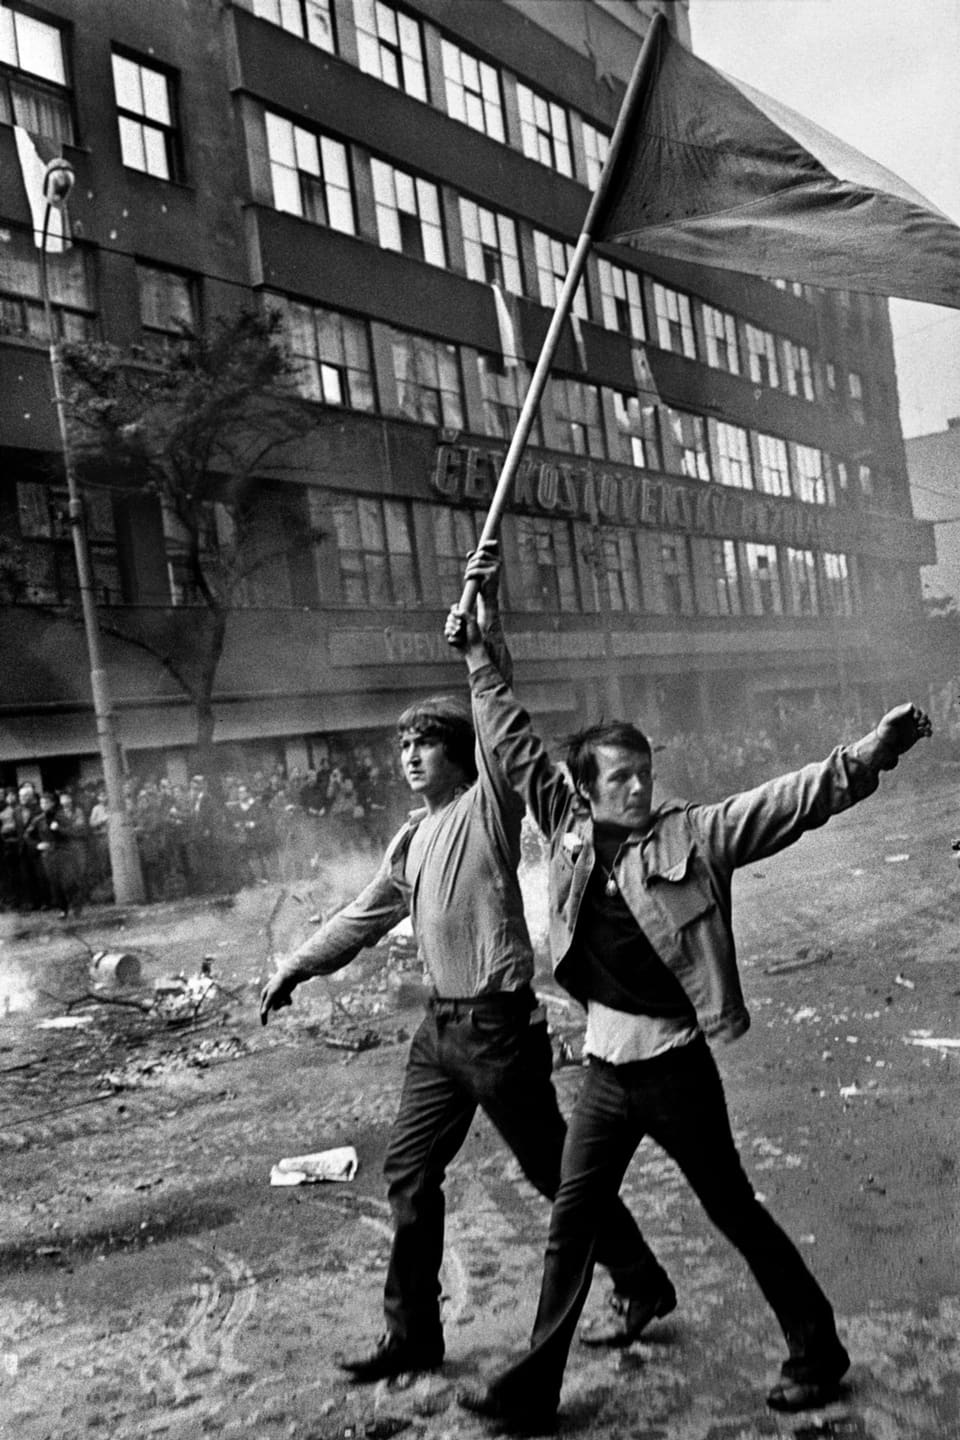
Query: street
155	1284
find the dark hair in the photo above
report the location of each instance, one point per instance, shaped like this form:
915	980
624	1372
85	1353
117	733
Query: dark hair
582	748
445	718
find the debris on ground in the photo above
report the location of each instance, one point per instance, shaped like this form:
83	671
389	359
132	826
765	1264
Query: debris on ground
804	956
118	967
339	1164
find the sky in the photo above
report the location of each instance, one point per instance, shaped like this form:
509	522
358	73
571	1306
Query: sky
883	75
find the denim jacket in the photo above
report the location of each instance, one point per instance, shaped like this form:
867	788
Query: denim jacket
676	874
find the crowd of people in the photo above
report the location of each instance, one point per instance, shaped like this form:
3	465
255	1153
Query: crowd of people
207	836
216	834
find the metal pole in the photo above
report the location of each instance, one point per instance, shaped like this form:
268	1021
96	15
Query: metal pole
632	100
124	854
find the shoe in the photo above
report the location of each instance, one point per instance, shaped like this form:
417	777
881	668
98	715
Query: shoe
631	1316
792	1395
809	1393
390	1357
507	1419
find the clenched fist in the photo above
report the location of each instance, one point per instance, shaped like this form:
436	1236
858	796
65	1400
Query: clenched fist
897	732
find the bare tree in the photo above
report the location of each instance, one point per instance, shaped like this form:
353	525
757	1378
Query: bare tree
208	428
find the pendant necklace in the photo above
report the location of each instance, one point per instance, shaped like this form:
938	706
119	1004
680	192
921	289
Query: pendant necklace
611	887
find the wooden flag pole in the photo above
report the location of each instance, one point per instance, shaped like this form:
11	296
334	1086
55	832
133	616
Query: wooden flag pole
628	110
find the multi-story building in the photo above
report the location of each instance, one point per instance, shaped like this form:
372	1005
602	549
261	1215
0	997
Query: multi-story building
933	463
713	512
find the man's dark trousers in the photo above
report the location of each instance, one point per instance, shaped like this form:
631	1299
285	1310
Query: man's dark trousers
677	1099
467	1054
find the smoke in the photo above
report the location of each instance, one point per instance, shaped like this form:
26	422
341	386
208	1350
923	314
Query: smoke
16	991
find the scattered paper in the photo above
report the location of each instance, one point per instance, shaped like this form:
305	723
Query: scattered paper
338	1164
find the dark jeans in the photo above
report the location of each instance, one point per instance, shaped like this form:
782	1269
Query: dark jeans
677	1099
467	1054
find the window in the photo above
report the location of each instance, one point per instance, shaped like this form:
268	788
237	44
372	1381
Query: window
619	572
865	479
47	567
309	174
675	574
596	143
637	442
375	551
802	577
841	477
733	456
547	577
855	392
674	321
454	536
576	411
503	388
762	357
795	287
544	135
685	444
839	594
408	214
553	262
148	134
389	46
726	576
763	573
427	375
330	353
310	19
69	280
473	91
167	310
177	542
721	335
798	371
774	474
490	246
621	300
33	76
811	483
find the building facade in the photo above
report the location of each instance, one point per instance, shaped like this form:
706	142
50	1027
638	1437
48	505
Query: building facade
933	464
713	514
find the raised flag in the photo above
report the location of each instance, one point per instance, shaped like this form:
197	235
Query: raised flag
38	157
713	172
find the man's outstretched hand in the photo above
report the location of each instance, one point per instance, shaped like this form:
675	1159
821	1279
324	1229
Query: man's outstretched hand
897	732
903	726
275	995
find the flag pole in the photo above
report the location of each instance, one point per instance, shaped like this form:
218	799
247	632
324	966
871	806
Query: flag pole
632	100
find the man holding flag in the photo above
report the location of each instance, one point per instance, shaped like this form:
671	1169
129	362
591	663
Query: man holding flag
483	1042
641	934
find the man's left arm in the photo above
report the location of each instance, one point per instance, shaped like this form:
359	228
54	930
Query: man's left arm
759	822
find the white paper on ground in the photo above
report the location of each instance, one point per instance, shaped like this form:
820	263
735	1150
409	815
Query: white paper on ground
338	1164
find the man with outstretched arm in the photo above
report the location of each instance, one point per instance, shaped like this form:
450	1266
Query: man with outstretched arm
640	933
483	1041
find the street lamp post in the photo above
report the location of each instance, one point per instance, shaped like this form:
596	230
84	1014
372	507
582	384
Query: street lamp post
124	856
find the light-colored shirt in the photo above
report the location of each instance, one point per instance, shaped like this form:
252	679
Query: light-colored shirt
618	1038
459	887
